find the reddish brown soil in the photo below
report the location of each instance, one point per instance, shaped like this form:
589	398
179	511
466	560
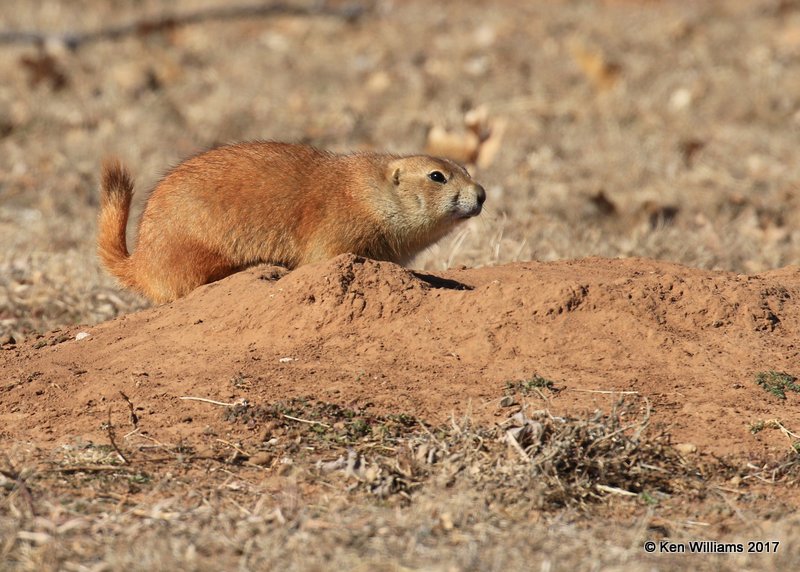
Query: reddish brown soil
362	333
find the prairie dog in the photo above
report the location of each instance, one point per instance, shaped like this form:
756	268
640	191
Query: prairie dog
281	203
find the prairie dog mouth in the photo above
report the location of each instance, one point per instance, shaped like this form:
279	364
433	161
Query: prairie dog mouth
464	212
470	203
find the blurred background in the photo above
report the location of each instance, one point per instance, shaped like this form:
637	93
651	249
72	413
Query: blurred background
664	129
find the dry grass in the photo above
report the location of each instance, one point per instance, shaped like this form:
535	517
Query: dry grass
322	487
686	123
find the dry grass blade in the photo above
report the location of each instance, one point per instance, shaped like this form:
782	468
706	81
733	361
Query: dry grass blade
299	420
205	400
112	437
132	409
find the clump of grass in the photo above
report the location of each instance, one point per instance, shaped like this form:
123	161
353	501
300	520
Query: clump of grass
240	381
777	383
559	461
325	422
578	461
529	386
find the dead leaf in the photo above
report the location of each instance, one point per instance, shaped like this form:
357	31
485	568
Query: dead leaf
599	71
44	67
602	204
491	145
460	147
689	148
478	144
659	215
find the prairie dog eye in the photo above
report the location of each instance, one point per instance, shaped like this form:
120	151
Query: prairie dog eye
437	177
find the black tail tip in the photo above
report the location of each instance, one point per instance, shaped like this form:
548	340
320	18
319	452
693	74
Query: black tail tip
115	177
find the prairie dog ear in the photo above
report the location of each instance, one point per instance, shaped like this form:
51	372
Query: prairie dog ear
393	172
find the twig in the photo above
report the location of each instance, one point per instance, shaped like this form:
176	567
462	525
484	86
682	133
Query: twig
511	440
139	461
615	491
307	421
608	392
544	398
639	425
131	433
89	469
146	26
112	438
645	422
12	385
432	436
613	434
777	472
211	401
235	448
134	417
783	428
158	444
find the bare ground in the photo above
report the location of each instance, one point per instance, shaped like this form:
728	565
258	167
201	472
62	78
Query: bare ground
617	369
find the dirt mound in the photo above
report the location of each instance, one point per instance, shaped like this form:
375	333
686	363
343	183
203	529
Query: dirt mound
361	333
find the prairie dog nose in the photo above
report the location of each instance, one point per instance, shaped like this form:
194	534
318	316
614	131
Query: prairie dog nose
480	194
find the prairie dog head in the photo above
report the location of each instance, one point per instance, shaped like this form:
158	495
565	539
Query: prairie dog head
432	194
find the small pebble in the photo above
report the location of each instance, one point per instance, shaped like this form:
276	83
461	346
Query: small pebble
507	401
261	458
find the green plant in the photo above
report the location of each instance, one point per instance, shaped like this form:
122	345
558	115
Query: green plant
528	386
777	382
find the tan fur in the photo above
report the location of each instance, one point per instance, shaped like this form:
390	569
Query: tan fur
249	203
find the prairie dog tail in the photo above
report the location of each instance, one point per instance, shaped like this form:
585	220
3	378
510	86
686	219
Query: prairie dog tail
116	191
